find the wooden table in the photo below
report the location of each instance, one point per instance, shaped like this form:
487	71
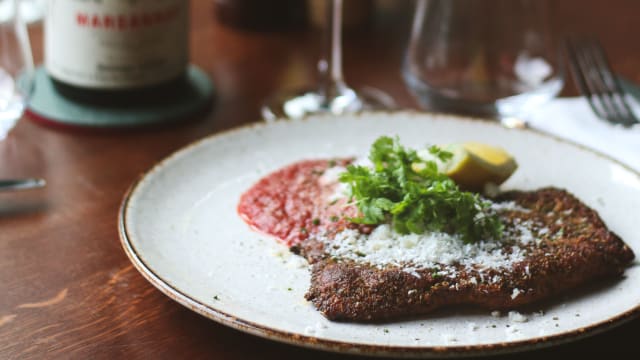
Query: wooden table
67	290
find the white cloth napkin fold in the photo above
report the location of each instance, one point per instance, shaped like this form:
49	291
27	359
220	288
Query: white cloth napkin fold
573	119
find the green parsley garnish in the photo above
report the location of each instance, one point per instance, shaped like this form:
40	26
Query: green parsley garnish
415	199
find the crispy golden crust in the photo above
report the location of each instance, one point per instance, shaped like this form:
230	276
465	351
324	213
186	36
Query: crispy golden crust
577	248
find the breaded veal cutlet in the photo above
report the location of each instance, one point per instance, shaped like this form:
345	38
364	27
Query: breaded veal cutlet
568	245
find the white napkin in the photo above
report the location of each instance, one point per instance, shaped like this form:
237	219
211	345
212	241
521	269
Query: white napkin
573	119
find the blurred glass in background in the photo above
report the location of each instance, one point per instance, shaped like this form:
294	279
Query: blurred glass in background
16	66
30	10
483	57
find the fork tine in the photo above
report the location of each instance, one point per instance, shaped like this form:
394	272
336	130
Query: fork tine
595	80
601	94
612	82
576	65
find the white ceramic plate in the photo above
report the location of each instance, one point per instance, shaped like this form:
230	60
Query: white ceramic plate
180	229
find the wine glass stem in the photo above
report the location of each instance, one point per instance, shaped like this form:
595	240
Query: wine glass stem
330	65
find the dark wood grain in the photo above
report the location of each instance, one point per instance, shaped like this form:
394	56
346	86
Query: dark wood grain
67	290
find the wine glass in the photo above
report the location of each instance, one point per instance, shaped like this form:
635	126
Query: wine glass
16	66
332	95
491	58
30	10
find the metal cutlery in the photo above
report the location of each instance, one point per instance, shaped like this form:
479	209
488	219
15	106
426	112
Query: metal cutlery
21	184
597	82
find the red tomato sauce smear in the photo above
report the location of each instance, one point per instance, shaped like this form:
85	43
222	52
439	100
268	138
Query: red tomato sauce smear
294	202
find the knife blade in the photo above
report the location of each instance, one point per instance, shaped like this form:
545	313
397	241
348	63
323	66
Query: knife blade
21	184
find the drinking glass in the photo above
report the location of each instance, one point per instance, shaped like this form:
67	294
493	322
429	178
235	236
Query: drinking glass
483	57
332	95
16	66
30	10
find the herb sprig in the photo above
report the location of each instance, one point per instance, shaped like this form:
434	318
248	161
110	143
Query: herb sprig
415	199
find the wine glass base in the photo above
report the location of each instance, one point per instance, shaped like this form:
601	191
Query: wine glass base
300	104
511	110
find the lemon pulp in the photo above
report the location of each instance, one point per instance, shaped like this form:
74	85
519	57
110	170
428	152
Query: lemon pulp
475	165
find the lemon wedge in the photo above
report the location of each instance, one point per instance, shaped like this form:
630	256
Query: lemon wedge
474	165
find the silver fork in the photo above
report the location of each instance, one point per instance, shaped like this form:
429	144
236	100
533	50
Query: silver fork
596	81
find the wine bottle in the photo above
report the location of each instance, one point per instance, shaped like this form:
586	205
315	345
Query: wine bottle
117	51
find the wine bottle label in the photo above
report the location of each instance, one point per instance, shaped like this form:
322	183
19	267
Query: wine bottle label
116	44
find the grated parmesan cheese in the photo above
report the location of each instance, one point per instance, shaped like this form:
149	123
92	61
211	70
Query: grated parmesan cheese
331	175
431	250
441	252
515	293
515	316
508	206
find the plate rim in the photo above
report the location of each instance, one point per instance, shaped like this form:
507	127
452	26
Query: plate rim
312	342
